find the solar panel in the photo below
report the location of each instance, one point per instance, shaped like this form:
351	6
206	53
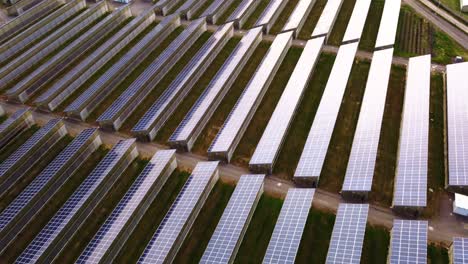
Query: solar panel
14	119
409	242
327	18
411	173
130	209
190	7
21	210
104	85
357	20
165	6
361	164
286	238
231	228
270	14
298	17
460	250
166	104
2	111
242	12
348	234
167	239
457	125
216	9
198	116
227	139
388	24
129	100
269	145
27	149
42	247
316	146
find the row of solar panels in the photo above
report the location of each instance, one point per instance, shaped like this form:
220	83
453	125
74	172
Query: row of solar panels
408	243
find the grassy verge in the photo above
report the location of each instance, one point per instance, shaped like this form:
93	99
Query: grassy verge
437	254
144	231
283	17
371	27
33	172
16	142
54	204
258	234
107	102
312	19
216	121
250	22
171	124
384	173
261	117
196	241
92	224
454	5
341	23
334	169
376	244
164	83
445	48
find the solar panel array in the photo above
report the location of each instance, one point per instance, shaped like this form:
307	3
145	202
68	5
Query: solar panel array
252	94
457	125
356	22
228	234
62	220
189	7
361	164
411	173
348	234
127	208
270	14
120	69
201	111
316	146
160	111
174	223
287	235
126	103
327	18
34	55
28	195
460	250
11	121
242	12
216	9
298	17
269	145
409	242
388	24
25	150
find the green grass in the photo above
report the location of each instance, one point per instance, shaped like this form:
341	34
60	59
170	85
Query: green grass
283	17
17	141
222	19
437	255
183	108
312	19
260	120
203	8
107	102
454	5
196	241
91	225
371	27
384	173
104	68
220	115
3	118
250	22
316	237
334	169
445	48
300	126
164	83
376	244
34	171
258	234
49	210
144	231
341	23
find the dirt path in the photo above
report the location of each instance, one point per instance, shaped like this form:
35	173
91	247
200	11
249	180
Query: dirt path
442	228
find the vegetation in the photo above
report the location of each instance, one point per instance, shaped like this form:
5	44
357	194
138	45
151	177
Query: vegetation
204	226
341	23
437	254
256	14
145	229
454	5
16	142
183	108
51	207
376	244
203	8
224	17
312	19
371	27
283	17
3	118
445	48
